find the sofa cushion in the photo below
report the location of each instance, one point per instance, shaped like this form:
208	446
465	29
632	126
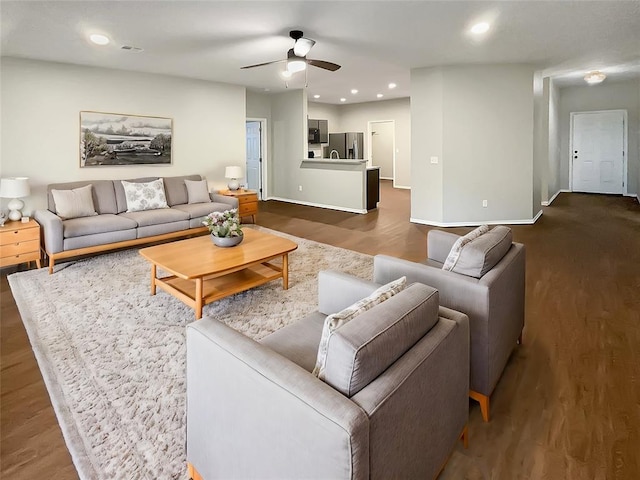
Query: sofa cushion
74	203
337	320
299	340
159	216
176	189
145	195
105	223
361	350
201	210
482	254
197	191
456	248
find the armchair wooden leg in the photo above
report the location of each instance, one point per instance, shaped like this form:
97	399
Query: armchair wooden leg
464	436
193	473
484	403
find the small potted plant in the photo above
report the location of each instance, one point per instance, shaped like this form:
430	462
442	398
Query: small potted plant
225	227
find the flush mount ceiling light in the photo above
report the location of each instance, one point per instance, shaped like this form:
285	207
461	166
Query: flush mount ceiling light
480	28
594	77
99	39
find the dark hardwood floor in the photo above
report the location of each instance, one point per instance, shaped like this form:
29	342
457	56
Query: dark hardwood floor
568	403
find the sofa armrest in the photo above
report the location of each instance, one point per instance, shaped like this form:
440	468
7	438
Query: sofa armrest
439	244
231	201
251	413
52	229
338	290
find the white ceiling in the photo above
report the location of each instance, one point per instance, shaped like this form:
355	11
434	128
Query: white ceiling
376	42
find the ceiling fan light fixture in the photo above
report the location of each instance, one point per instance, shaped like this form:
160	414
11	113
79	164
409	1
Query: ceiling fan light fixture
286	74
594	77
296	65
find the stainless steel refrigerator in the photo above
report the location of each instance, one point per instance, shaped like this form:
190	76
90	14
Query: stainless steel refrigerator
348	145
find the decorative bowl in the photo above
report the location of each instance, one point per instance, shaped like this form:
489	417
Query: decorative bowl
226	241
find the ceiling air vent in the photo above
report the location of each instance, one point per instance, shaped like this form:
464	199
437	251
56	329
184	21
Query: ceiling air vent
132	49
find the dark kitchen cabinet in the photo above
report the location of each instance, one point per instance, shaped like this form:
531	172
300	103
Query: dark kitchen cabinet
318	131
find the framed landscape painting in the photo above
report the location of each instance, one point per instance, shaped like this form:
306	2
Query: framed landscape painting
108	139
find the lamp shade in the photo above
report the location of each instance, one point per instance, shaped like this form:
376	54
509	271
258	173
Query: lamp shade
233	172
14	187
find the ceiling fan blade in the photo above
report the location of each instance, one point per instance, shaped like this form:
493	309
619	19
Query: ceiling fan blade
302	46
262	64
322	64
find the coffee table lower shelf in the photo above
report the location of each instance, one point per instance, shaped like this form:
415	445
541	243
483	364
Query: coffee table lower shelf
201	291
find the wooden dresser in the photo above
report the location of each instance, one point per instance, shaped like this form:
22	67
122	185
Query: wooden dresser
19	243
247	202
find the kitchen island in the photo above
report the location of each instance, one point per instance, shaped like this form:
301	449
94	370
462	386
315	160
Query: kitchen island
341	184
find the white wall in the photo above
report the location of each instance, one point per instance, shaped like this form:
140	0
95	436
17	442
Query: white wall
605	96
553	168
478	120
325	111
40	127
427	140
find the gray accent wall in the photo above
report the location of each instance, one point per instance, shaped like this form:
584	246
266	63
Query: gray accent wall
41	104
479	122
605	96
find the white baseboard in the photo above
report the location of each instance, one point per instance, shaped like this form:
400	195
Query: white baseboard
527	221
550	201
320	205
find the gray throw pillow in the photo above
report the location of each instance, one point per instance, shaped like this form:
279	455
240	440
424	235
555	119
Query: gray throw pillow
456	249
197	191
482	254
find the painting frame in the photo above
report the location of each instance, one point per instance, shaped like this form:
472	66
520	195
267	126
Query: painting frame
122	139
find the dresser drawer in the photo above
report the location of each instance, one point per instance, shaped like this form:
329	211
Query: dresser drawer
14	249
16	259
242	199
19	235
248	208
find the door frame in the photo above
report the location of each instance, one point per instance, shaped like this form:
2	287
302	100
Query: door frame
264	164
370	145
625	146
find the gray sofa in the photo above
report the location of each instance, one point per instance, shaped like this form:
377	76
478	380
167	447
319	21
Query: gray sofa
494	302
393	402
113	227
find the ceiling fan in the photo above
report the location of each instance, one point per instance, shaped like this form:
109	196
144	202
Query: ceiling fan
297	56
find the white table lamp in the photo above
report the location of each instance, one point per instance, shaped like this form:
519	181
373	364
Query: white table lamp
15	188
233	173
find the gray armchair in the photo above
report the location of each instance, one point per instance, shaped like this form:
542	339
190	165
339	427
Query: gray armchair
392	405
494	303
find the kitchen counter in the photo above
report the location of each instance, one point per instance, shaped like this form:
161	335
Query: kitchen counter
341	184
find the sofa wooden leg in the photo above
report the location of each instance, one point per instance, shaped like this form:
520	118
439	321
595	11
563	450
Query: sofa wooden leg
484	403
464	436
193	473
520	339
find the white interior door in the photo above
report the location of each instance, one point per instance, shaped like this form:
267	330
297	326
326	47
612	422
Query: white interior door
598	152
254	155
382	140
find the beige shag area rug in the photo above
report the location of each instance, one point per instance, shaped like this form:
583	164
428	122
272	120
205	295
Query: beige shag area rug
113	356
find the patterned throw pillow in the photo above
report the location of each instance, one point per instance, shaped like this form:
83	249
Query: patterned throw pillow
336	320
74	203
454	253
145	196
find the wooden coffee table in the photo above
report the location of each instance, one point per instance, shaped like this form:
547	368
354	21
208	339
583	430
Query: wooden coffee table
203	273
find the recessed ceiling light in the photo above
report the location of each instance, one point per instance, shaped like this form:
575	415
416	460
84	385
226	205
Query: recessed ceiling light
480	28
99	39
343	99
594	77
354	91
379	95
316	96
392	85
